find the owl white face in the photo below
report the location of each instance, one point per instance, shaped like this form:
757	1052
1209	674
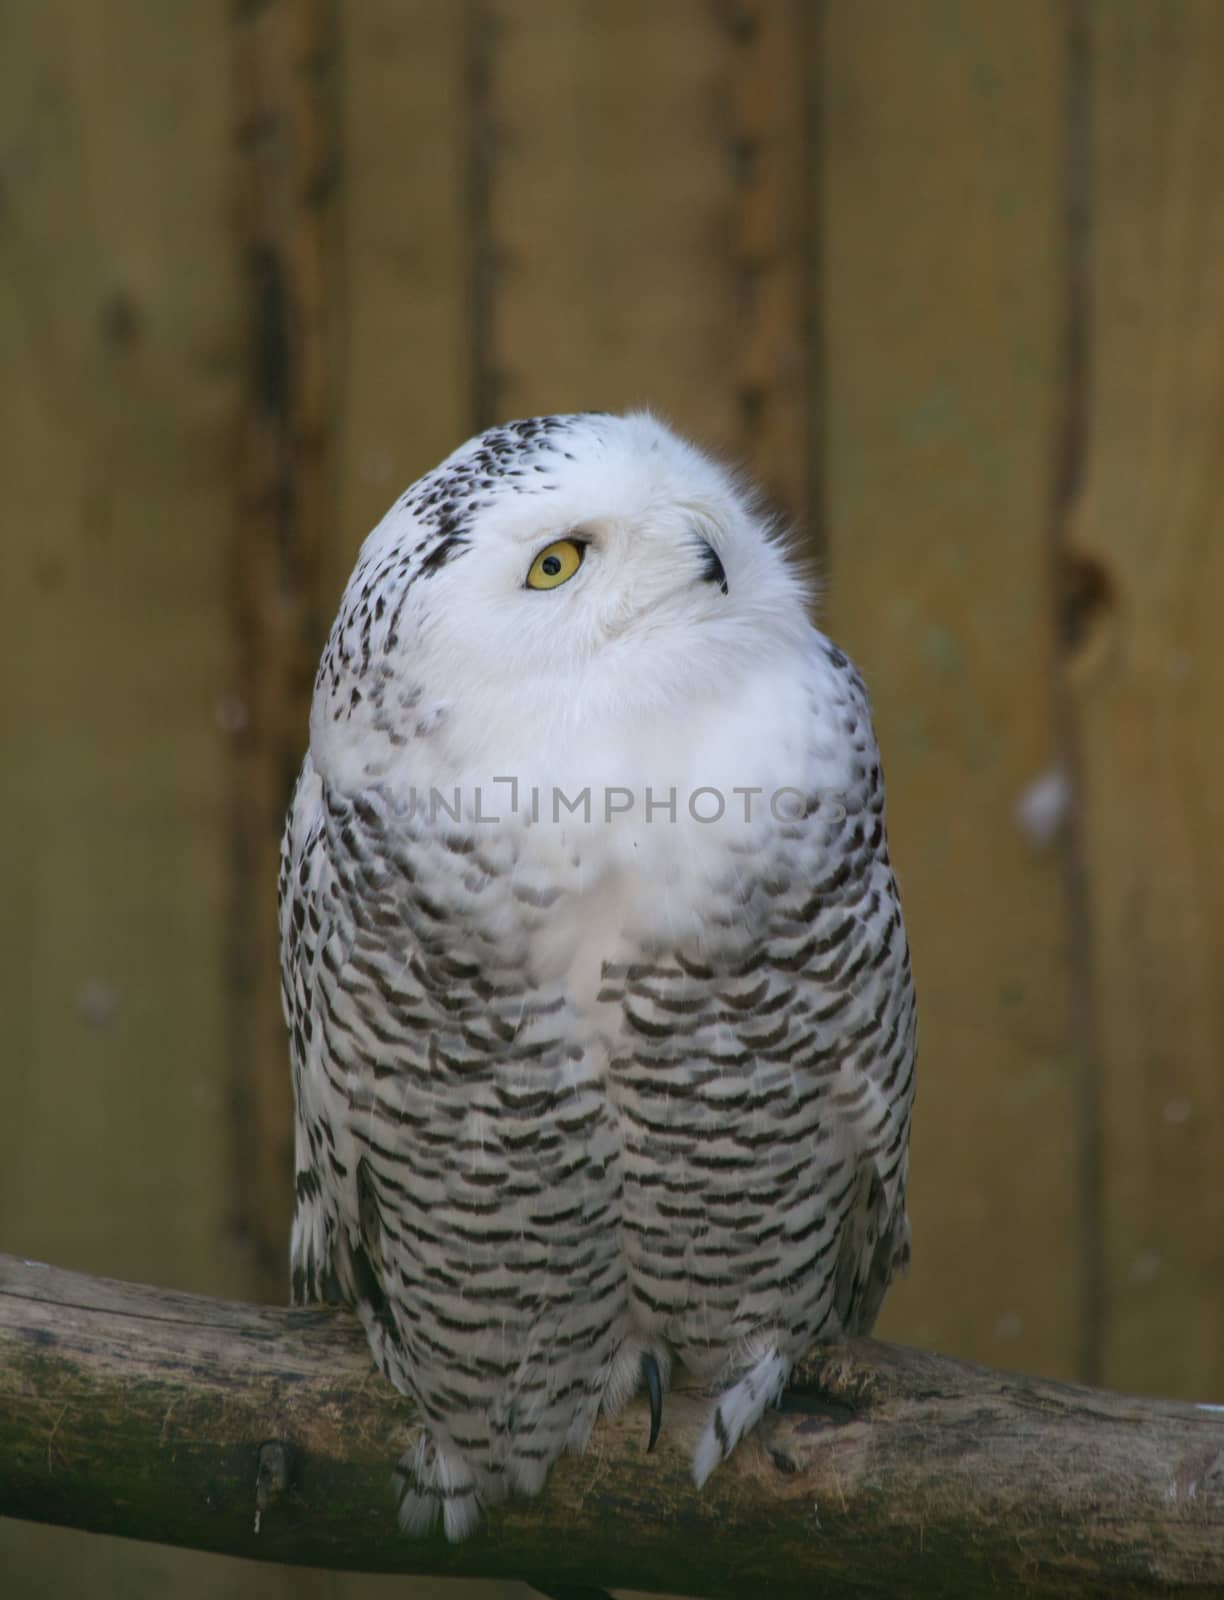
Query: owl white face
559	570
560	594
654	547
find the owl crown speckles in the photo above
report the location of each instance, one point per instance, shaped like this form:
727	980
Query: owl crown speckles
583	1096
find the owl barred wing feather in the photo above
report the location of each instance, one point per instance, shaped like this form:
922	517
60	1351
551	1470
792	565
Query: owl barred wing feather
455	1167
583	1089
765	1077
305	928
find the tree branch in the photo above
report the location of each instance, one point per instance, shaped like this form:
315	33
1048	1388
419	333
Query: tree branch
170	1417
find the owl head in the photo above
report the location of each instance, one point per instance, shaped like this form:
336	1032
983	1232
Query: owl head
553	573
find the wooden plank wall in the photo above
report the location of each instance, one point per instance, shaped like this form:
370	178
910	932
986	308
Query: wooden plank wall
122	375
943	274
1147	686
942	146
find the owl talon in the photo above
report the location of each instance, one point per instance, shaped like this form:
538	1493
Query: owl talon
654	1388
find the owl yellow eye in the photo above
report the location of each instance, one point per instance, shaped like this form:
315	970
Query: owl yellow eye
556	564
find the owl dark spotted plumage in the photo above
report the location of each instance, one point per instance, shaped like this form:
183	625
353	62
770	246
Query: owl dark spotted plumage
602	1022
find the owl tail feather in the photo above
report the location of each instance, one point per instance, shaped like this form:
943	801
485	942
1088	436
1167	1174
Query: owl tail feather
738	1410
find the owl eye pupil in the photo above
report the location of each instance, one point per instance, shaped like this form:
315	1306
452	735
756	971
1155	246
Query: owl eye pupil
554	565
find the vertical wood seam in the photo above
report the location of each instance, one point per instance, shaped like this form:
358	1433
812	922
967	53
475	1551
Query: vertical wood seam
283	64
478	164
1070	450
764	129
813	34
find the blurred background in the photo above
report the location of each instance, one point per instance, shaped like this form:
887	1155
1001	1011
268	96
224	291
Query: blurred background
944	274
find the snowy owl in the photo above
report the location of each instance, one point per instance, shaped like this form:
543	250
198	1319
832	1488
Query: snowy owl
603	1029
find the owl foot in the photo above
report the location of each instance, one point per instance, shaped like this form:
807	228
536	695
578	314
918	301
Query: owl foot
738	1410
434	1486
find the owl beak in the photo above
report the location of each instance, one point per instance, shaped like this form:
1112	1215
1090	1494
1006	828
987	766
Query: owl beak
712	569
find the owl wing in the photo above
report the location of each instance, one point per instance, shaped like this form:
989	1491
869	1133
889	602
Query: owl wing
456	1163
326	1205
862	980
765	1071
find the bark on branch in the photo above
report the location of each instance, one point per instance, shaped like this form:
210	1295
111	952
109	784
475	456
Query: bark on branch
266	1433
